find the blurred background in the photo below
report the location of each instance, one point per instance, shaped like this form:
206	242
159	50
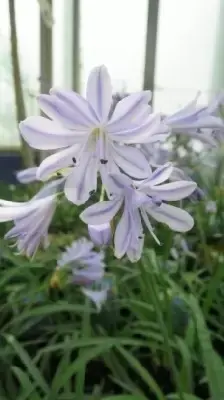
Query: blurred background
173	48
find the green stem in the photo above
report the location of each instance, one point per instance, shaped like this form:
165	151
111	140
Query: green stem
159	313
80	377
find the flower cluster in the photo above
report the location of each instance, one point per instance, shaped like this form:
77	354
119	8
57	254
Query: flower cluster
103	141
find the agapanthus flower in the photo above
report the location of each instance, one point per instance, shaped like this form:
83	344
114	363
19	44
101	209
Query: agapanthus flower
86	138
31	218
141	200
87	269
192	119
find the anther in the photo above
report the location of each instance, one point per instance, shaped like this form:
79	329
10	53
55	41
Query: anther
91	192
74	160
58	174
103	161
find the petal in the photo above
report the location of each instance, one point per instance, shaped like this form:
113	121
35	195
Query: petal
144	133
102	212
185	111
56	162
177	219
88	275
123	234
117	182
131	161
27	175
100	234
135	249
73	108
12	212
98	297
43	134
129	108
158	176
50	189
173	191
82	180
99	92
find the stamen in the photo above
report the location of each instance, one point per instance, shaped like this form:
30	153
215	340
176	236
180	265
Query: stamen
103	161
91	192
74	160
59	174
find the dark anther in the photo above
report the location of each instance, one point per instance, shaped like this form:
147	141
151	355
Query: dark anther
111	194
103	161
58	174
74	160
140	237
91	192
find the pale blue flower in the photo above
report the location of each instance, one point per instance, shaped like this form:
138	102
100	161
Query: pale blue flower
31	218
87	266
88	269
86	138
141	200
192	118
100	234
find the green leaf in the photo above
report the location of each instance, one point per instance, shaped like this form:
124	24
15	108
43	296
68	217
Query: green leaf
124	397
80	362
186	396
27	387
143	373
212	362
28	363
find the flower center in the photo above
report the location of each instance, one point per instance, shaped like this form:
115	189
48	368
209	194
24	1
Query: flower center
98	142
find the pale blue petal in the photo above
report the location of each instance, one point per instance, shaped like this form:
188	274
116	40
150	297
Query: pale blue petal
50	189
27	175
43	134
102	212
99	92
173	191
123	234
142	133
88	275
177	219
100	234
82	180
131	161
97	297
57	161
73	108
135	249
158	176
129	108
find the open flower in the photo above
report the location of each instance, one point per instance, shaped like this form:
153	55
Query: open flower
147	198
192	119
31	218
87	268
87	138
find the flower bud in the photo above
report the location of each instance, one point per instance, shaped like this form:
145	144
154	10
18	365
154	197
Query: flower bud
100	234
